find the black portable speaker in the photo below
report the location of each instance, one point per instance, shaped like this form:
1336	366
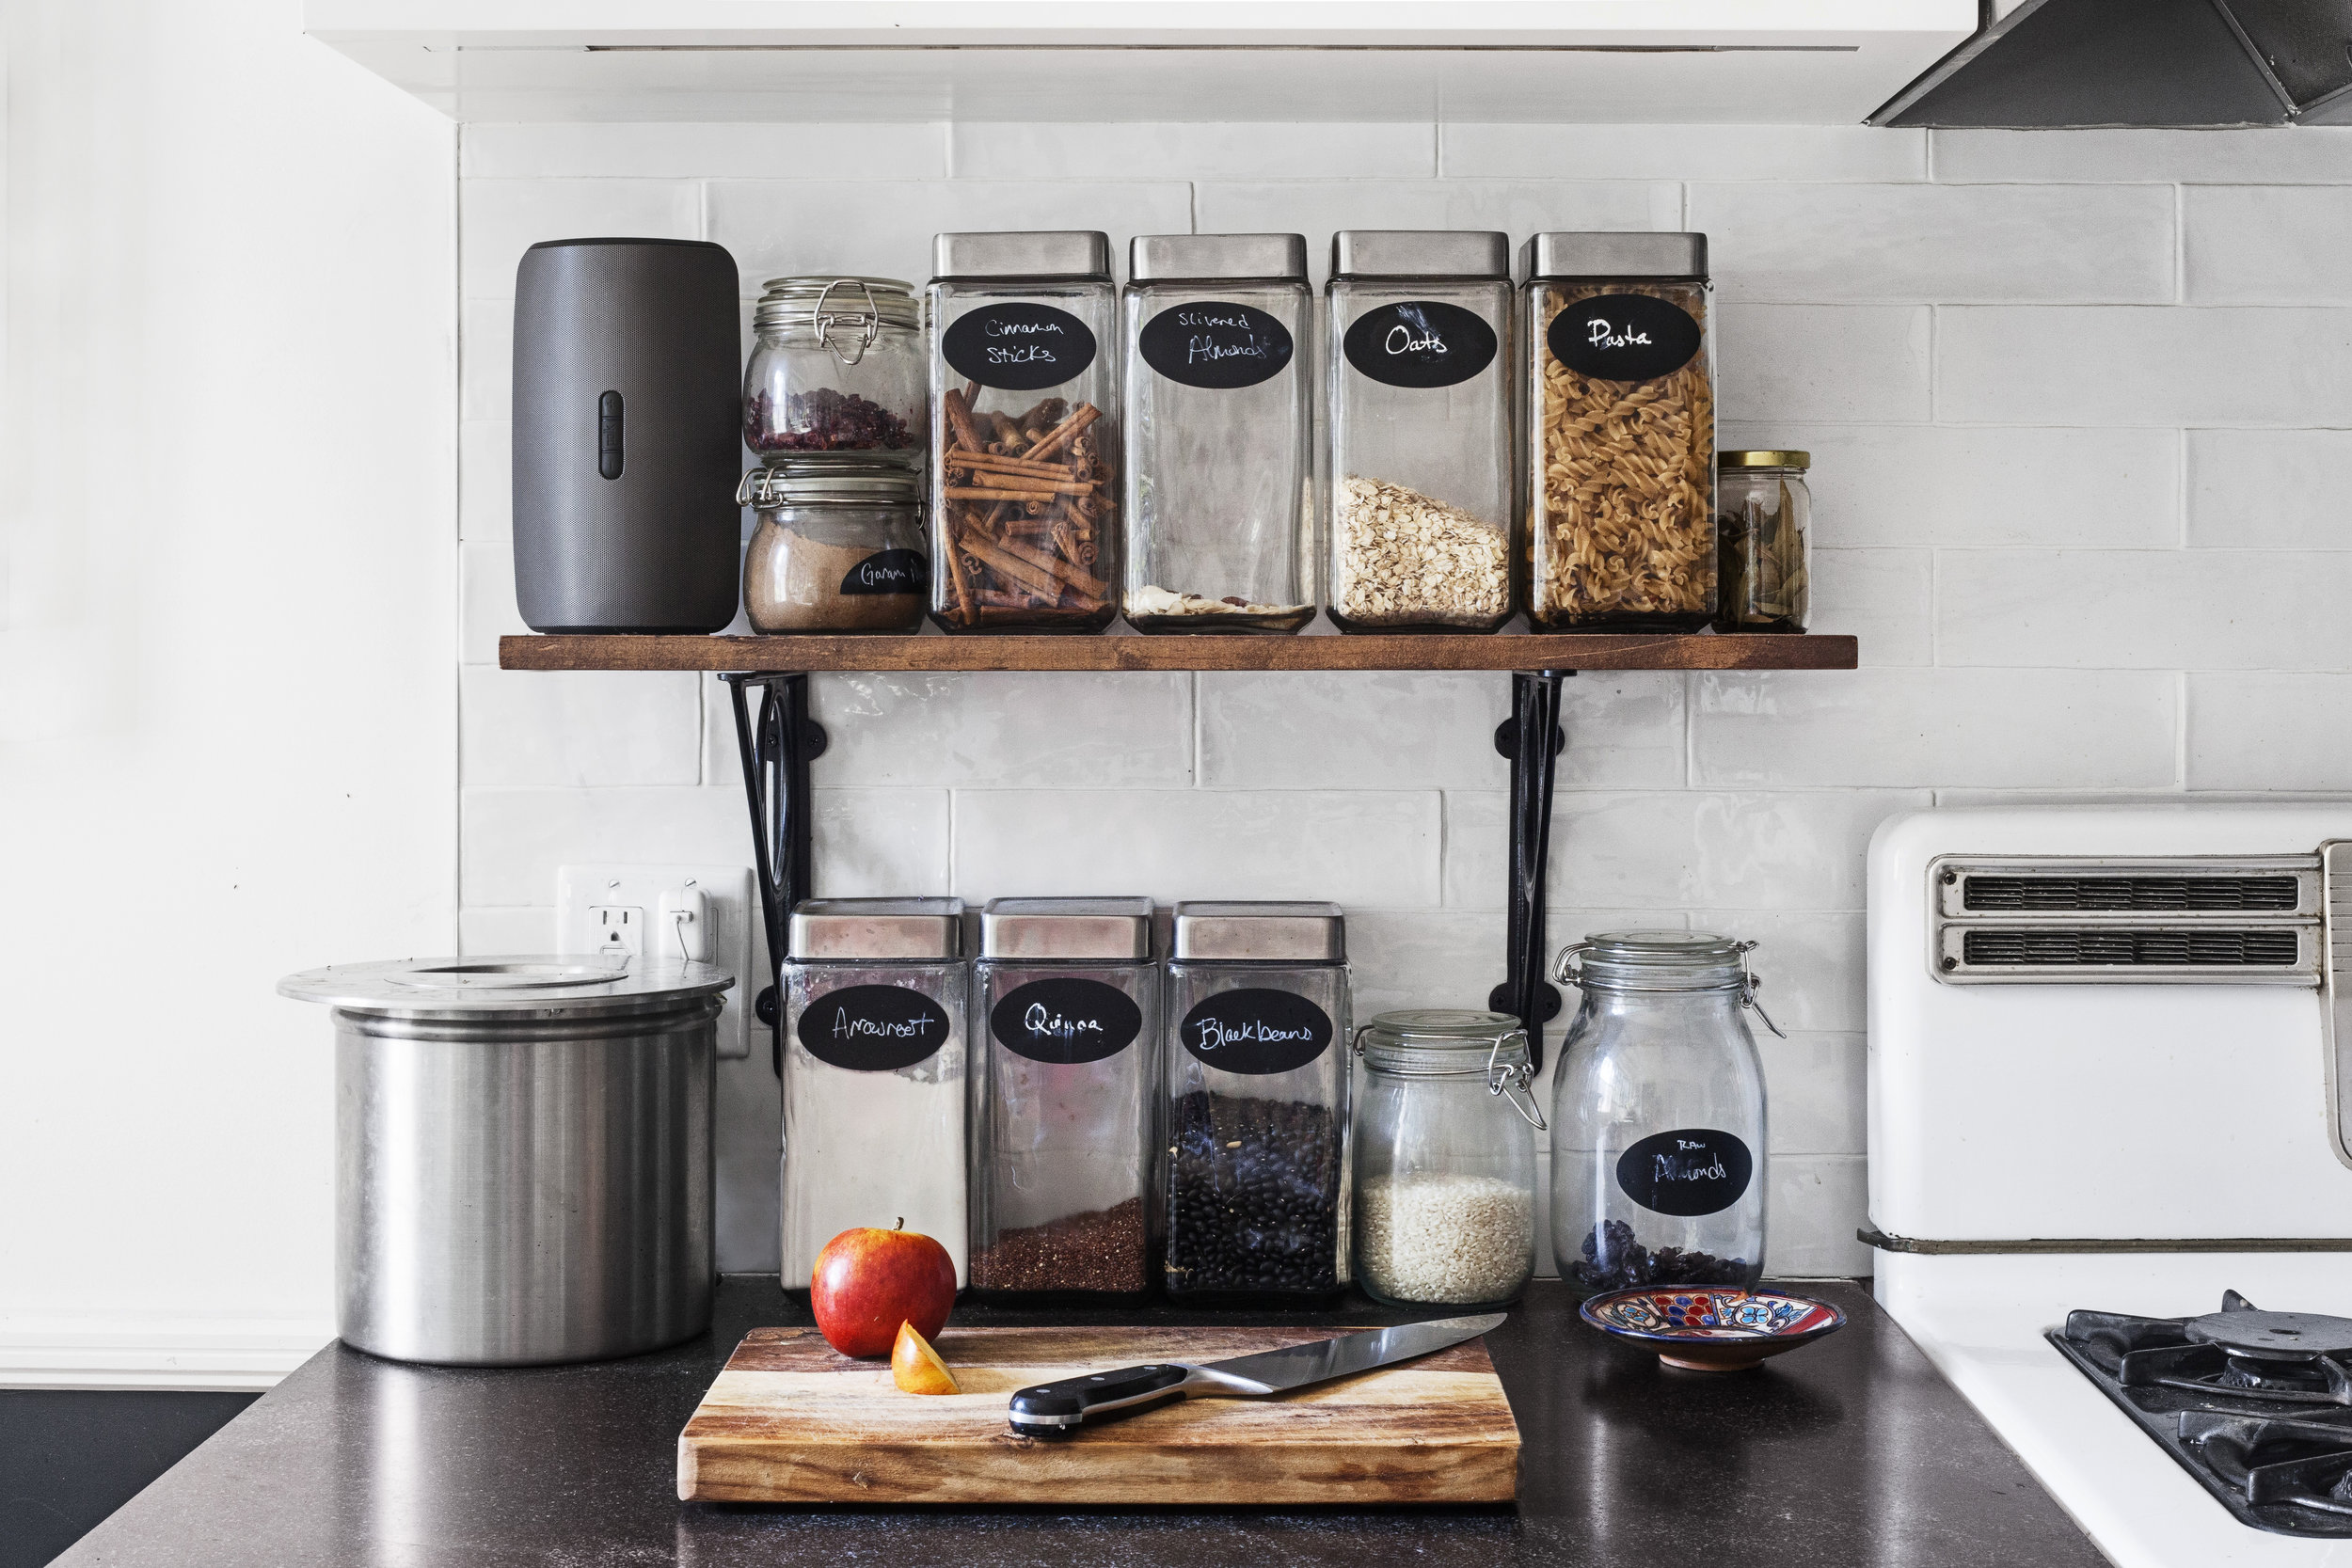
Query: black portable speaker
627	374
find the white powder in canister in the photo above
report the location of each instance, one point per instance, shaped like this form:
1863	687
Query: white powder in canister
1444	1239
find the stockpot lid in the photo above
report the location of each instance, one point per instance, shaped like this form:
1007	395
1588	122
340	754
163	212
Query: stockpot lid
1096	928
843	930
554	984
1477	253
1615	255
1260	933
1155	258
848	301
1023	253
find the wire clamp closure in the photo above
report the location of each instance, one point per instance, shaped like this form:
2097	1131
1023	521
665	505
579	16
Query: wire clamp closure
824	323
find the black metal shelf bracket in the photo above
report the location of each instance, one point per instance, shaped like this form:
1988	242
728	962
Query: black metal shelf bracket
1533	739
777	746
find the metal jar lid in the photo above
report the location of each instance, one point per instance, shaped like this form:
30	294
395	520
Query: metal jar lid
1043	253
540	986
1099	929
842	314
1681	962
1159	258
843	930
1441	1042
820	481
1759	458
1260	933
1468	253
1616	255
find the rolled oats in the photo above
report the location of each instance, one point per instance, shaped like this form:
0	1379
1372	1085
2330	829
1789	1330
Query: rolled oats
1402	558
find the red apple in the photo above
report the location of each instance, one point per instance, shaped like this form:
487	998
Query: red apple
867	1282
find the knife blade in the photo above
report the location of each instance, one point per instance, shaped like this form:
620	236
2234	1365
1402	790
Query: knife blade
1052	1409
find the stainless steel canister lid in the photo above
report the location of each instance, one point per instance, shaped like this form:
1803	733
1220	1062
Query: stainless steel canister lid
1420	253
567	984
1096	928
1031	253
1268	932
1151	258
1615	255
846	929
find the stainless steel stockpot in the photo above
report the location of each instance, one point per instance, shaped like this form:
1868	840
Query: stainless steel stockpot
523	1155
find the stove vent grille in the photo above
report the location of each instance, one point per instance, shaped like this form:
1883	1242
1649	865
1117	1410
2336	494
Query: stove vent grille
2059	920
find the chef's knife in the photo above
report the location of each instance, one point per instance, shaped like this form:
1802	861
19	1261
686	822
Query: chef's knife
1051	1409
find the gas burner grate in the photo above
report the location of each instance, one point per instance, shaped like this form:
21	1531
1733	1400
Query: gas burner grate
2256	1405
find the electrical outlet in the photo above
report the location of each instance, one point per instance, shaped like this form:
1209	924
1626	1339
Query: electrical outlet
617	928
637	910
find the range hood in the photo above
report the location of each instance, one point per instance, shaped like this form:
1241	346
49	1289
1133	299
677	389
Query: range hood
2183	63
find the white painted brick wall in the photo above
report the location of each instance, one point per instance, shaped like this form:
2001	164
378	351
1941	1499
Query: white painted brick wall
2081	411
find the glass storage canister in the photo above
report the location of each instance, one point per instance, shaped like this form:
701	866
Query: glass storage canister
1420	430
1254	1125
1025	388
1764	529
1657	1115
874	999
1065	1011
1621	433
1445	1159
1220	478
838	547
837	368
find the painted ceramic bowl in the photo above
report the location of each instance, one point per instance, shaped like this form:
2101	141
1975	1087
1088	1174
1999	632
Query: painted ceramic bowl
1713	1328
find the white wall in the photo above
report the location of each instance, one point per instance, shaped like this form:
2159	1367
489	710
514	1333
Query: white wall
228	720
2080	406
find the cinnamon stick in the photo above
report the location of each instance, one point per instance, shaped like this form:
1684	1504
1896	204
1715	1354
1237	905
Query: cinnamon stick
959	415
1080	416
1011	568
1093	588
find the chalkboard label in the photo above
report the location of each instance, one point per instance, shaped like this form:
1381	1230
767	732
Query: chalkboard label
1420	342
1212	344
1623	337
888	572
1066	1020
1018	346
1689	1171
1257	1031
872	1028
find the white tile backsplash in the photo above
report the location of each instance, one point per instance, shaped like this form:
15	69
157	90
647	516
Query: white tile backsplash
2092	540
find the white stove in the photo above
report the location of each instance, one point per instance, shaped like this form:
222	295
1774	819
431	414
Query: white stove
2102	1081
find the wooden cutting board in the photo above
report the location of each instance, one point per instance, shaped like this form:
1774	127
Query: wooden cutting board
790	1421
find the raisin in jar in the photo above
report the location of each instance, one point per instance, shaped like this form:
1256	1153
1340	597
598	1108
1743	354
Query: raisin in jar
1065	1032
1657	1116
838	369
1621	433
1254	1121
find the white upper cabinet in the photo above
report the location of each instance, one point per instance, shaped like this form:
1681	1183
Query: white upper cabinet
1602	61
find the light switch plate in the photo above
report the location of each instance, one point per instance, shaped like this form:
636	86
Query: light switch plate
582	891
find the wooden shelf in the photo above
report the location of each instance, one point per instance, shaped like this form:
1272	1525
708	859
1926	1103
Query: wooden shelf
1707	651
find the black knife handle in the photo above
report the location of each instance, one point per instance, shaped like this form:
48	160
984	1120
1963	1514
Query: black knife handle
1050	1409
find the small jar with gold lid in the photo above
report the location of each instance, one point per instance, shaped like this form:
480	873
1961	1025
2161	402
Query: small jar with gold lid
1764	540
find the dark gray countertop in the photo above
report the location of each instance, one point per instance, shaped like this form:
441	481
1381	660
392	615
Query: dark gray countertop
1850	1451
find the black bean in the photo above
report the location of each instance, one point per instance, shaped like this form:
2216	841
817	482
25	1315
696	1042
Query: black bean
1253	1196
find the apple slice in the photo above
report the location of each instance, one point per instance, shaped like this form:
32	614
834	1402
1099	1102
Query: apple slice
916	1368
